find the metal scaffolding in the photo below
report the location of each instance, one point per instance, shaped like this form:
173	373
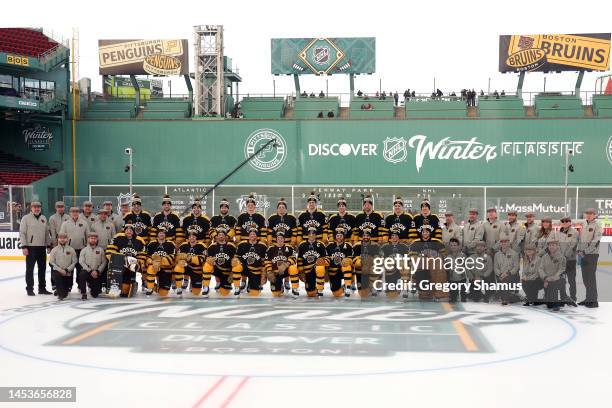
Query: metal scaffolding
209	87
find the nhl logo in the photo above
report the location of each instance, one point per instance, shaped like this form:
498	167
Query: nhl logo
609	150
395	149
123	198
321	55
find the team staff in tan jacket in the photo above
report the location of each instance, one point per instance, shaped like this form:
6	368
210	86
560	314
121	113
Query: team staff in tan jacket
34	240
76	229
63	259
588	249
93	264
55	223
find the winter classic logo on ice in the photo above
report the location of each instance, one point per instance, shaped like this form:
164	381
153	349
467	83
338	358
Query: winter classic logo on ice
270	158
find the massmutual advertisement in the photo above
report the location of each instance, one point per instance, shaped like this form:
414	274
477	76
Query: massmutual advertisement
554	52
143	57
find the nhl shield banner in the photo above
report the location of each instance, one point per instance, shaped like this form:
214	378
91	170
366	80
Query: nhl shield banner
554	52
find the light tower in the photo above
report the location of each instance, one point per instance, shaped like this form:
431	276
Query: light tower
209	78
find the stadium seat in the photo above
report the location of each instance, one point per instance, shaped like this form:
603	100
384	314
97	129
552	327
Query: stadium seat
110	109
417	108
25	41
558	106
504	107
376	108
262	107
602	106
18	171
311	108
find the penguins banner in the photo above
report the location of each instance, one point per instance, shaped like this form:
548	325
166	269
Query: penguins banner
554	52
143	57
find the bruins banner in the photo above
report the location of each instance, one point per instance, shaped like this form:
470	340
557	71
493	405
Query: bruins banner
143	57
554	52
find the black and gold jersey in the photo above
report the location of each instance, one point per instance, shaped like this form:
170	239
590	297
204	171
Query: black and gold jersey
276	255
123	245
403	224
166	250
200	224
197	252
252	256
373	221
171	222
141	221
222	255
308	253
247	221
316	219
337	253
433	221
346	221
227	222
286	223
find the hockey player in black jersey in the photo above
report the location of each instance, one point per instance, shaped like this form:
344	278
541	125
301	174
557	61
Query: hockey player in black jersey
221	261
160	264
312	218
280	263
140	219
168	220
371	220
392	249
312	260
401	221
252	255
198	222
342	219
223	220
249	220
128	244
281	221
189	261
340	255
364	254
427	218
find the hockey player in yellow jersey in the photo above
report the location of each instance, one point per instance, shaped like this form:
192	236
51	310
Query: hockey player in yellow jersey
280	263
189	261
252	255
312	260
221	261
170	221
160	265
312	218
369	219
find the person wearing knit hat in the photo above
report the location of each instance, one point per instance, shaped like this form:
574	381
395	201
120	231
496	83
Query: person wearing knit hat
252	255
129	245
312	217
223	220
506	268
140	219
282	221
473	232
341	219
168	220
198	222
568	241
312	260
432	220
281	264
160	265
190	260
250	219
222	262
370	219
429	247
340	270
401	221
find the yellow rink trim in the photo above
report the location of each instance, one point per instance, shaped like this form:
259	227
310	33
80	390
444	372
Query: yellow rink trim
88	333
464	335
12	258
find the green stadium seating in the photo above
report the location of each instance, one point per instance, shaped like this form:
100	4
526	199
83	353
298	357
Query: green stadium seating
110	109
504	107
558	106
262	107
381	108
309	108
435	108
164	114
602	106
166	108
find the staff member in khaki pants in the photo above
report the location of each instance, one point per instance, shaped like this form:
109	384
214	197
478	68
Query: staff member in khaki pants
588	249
35	238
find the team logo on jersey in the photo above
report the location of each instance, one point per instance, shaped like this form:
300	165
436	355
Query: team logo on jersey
395	149
609	150
271	157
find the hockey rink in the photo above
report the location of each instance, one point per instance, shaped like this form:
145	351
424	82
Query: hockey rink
193	352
